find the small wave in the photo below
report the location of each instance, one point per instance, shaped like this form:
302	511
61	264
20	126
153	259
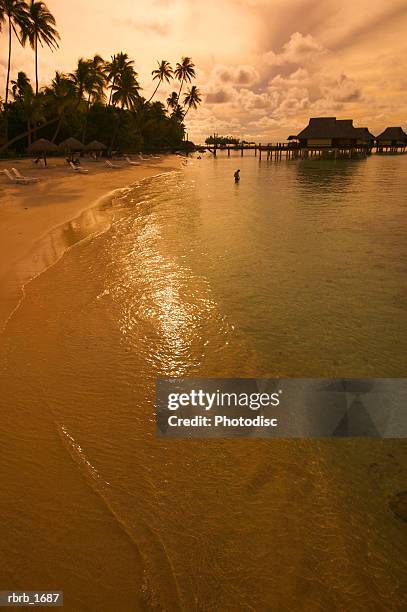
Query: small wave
158	568
78	454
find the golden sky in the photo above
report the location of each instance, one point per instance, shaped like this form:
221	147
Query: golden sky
264	66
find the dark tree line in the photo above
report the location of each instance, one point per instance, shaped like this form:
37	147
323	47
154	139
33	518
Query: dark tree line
99	100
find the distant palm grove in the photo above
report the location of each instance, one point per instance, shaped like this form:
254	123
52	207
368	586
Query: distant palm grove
99	100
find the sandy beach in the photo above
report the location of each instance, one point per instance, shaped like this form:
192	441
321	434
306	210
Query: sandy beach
29	212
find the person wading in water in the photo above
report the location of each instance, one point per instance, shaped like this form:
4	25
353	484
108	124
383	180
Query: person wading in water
237	176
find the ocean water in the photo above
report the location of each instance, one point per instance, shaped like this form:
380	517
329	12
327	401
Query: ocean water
298	270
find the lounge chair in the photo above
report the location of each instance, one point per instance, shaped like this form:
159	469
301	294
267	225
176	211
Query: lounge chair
110	165
14	179
129	161
78	169
142	158
26	179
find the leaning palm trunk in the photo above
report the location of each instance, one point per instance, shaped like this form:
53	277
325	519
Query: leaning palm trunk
111	91
154	92
180	89
26	133
57	130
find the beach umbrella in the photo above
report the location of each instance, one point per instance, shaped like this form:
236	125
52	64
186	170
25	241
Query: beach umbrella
71	144
95	145
42	146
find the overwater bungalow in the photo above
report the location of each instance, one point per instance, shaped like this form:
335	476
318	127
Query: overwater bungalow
364	136
392	140
335	136
328	132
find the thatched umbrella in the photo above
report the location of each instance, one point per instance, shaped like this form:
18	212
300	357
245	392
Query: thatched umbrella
43	147
95	148
95	145
71	145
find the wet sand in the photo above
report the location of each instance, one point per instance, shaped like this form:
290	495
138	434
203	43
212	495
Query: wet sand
28	213
34	221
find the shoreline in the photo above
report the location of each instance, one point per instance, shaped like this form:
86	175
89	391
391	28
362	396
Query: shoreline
30	214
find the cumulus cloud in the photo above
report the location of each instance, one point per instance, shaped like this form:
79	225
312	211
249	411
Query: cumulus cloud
219	97
299	50
345	90
240	76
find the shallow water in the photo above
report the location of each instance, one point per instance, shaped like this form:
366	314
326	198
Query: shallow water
299	270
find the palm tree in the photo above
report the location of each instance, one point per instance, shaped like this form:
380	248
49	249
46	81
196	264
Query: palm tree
126	89
29	105
162	73
192	99
95	80
178	114
156	111
114	68
125	92
62	97
15	13
19	86
184	71
32	109
172	100
40	29
94	83
79	78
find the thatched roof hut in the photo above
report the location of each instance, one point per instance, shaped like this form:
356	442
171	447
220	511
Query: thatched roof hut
328	128
392	136
319	128
364	135
332	132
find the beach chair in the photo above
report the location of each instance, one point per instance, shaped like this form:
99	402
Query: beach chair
129	161
141	157
14	179
78	169
112	166
26	179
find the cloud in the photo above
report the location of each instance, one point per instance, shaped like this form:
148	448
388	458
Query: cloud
241	76
219	97
345	90
161	28
374	24
299	50
303	87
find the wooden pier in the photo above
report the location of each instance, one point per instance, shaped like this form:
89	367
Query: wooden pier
291	150
324	137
